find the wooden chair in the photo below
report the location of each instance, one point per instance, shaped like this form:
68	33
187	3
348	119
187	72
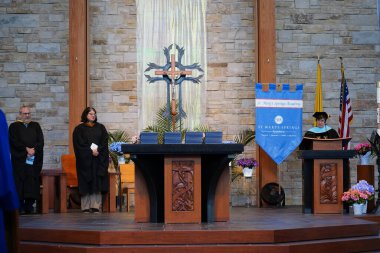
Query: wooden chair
69	169
127	172
70	173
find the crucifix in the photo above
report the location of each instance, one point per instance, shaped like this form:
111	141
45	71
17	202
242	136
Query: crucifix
174	75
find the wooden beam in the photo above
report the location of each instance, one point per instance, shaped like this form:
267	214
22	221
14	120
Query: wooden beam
265	73
78	65
266	41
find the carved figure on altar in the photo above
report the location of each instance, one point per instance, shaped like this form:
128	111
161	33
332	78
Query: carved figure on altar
321	130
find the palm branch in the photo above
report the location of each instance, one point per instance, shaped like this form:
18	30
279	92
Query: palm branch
163	124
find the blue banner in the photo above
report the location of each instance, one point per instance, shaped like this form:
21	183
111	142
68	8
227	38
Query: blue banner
279	120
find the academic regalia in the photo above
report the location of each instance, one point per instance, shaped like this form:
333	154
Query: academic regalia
8	195
325	132
27	176
92	171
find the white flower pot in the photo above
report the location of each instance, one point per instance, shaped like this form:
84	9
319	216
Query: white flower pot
364	159
365	207
247	172
358	209
121	159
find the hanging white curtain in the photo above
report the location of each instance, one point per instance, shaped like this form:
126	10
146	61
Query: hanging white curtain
161	23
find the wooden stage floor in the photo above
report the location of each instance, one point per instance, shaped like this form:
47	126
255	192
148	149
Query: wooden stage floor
284	229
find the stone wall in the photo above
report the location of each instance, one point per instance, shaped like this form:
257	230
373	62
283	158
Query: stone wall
34	68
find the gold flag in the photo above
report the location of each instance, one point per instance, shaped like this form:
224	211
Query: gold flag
318	106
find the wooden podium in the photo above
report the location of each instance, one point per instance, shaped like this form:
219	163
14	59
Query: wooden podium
326	174
182	183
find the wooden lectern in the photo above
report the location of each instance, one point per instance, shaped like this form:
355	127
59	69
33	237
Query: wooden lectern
326	174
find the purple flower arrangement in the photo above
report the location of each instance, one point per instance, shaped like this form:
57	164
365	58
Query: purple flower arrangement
363	186
247	162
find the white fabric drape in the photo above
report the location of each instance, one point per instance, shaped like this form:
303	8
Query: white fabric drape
161	23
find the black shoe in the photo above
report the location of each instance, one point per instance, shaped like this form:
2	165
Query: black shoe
94	210
86	211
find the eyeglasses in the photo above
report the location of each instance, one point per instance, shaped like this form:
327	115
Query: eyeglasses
25	113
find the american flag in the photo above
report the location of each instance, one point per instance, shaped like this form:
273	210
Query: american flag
346	115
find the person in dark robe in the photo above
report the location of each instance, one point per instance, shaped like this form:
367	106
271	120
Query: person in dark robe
321	131
90	141
9	202
26	142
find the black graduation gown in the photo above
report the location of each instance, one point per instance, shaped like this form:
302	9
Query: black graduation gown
27	177
330	134
92	171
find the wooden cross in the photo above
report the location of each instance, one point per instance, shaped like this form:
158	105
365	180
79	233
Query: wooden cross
172	73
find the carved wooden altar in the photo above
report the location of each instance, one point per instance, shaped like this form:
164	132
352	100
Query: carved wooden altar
182	183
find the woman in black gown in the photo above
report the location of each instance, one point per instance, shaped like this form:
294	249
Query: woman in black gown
321	131
90	141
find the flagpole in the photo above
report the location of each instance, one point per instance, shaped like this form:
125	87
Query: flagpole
318	104
346	114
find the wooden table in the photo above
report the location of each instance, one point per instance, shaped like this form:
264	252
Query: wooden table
59	190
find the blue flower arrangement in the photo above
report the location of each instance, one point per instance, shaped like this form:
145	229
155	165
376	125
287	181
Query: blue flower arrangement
116	146
365	187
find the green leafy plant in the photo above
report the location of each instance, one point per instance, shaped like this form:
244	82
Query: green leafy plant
163	125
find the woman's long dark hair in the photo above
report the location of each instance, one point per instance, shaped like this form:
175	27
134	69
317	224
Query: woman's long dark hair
83	118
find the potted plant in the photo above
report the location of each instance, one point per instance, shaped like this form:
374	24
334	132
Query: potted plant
358	196
364	187
364	151
248	164
245	137
115	140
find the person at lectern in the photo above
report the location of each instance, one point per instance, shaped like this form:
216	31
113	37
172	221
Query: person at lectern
90	141
321	131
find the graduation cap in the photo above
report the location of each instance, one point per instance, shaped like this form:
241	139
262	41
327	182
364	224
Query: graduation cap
321	115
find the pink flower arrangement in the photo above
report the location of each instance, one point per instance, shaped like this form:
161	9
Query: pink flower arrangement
363	148
359	193
353	196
